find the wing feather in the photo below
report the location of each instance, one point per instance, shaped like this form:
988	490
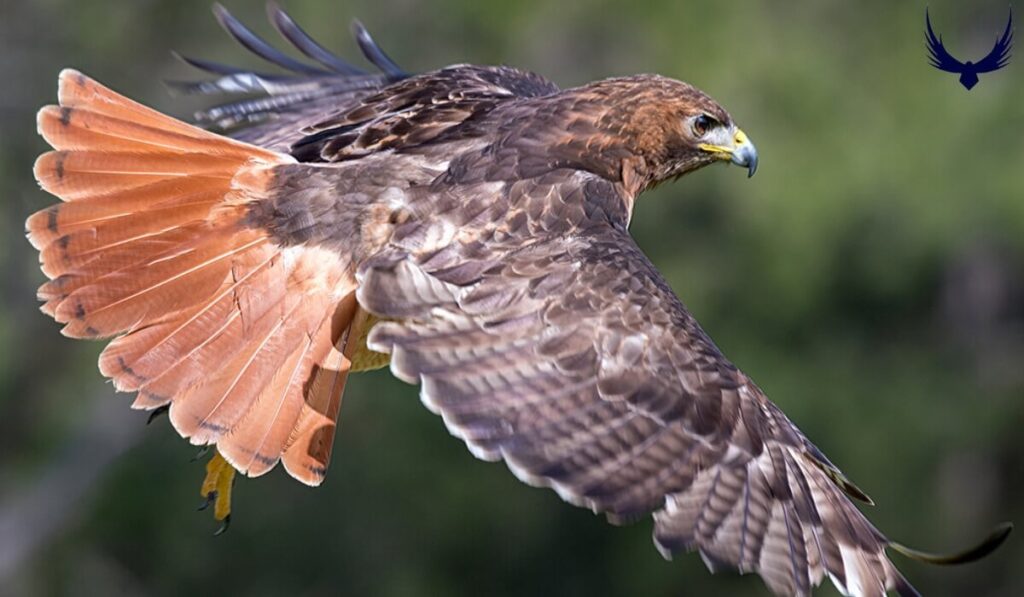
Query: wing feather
290	101
303	111
259	46
605	389
295	35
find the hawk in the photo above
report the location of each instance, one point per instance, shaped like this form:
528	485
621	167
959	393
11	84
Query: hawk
466	226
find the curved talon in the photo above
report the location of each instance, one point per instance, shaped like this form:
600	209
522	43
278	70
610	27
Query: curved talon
216	489
202	452
156	412
223	527
209	499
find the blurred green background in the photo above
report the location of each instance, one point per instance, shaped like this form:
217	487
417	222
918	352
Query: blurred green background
870	278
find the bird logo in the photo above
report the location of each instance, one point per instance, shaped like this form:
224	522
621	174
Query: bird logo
941	59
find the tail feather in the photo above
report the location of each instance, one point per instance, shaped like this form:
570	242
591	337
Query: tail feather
119	301
152	247
116	259
75	90
260	437
73	186
89	240
316	426
264	432
86	128
54	167
217	404
48	225
170	356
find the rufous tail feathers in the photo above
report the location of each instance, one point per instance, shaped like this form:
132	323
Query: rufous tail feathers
151	247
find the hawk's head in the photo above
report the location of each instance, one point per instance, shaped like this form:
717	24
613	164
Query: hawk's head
663	129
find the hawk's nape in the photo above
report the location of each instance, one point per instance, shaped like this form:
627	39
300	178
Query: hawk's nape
474	220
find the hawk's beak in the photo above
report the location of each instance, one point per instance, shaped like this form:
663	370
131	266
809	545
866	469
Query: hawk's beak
740	151
744	153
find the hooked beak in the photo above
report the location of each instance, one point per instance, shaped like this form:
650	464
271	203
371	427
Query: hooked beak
740	151
744	153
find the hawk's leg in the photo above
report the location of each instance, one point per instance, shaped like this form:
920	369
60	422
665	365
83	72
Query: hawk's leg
363	359
220	476
216	489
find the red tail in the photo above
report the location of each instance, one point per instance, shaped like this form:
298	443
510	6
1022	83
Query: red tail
151	247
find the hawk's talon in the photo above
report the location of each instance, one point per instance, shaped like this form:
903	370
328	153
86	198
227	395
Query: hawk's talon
223	527
216	489
156	412
209	499
202	452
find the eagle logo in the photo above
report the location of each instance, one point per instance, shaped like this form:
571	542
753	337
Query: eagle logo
941	59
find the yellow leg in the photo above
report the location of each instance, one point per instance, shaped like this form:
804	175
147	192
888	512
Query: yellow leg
364	359
216	489
220	476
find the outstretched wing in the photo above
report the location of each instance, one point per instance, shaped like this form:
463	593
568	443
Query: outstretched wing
285	103
1000	53
572	359
334	111
938	56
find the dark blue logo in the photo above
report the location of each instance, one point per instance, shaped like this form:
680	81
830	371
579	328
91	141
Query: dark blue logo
968	71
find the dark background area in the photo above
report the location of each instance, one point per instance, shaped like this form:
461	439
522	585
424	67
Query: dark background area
870	278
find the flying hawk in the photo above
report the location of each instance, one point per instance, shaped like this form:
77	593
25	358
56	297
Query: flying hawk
467	226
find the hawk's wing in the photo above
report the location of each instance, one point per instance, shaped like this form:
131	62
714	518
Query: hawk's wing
572	359
272	108
313	104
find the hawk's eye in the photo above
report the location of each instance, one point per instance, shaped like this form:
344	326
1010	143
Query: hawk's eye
702	124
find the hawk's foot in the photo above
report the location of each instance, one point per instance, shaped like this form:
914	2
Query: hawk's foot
216	489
